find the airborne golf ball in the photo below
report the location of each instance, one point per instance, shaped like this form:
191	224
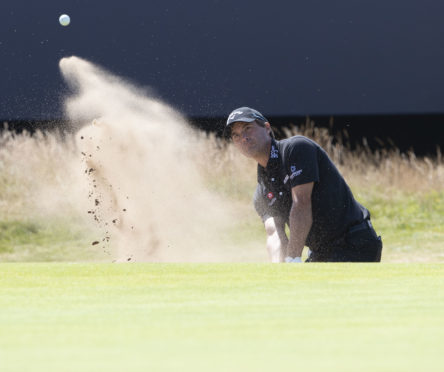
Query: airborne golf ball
64	19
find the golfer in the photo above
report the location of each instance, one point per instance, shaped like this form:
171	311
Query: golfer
300	186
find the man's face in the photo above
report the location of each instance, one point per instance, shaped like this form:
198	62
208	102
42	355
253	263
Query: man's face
251	139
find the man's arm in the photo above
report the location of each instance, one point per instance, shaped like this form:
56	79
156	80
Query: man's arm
301	218
277	240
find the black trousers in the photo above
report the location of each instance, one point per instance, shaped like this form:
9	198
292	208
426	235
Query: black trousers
359	244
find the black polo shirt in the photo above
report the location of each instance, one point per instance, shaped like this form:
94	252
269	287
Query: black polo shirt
296	161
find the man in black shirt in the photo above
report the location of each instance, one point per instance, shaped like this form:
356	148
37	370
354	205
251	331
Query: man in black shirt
300	186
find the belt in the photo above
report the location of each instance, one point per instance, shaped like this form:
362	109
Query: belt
361	226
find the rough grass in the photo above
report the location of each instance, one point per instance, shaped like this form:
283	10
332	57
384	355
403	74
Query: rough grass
412	224
43	210
47	240
221	317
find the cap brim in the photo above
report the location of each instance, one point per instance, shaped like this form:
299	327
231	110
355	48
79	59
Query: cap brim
245	120
227	130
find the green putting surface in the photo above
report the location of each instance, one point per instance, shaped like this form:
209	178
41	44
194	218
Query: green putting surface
221	317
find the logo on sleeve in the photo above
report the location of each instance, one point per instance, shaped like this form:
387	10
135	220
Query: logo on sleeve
294	172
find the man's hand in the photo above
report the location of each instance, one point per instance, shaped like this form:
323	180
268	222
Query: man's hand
276	238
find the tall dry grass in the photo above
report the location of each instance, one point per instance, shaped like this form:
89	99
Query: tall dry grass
39	174
388	171
383	169
41	180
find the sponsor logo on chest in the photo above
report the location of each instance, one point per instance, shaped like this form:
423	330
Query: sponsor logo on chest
272	198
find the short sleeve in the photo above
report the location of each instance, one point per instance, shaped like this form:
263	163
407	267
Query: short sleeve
302	161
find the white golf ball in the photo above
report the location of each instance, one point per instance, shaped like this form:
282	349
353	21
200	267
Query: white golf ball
64	19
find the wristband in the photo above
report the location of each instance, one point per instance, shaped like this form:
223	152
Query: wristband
289	259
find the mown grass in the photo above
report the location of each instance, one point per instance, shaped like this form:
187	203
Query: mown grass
220	317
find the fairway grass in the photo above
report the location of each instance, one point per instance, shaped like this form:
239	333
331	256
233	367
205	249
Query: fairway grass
221	317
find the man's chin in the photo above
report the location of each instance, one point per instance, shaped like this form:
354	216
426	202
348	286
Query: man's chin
249	153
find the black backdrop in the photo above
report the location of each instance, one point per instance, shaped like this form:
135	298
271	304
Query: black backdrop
420	133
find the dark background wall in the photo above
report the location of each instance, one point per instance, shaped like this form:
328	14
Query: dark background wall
366	63
206	57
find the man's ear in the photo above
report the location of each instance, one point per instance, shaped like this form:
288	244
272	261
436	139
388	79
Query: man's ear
267	126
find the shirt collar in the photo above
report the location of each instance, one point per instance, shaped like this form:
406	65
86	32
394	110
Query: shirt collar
273	161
